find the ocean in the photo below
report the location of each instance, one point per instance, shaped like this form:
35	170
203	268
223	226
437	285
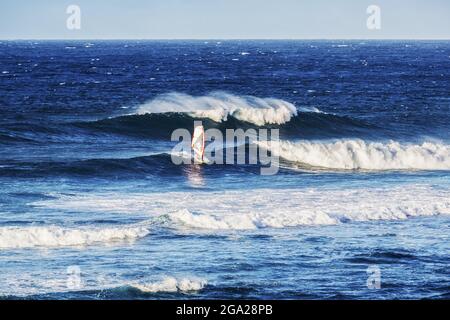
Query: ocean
93	207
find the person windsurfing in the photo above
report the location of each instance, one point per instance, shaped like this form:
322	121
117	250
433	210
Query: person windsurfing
198	143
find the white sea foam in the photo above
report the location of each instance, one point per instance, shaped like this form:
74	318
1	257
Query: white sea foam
290	208
218	106
172	284
263	208
252	220
45	281
359	154
55	236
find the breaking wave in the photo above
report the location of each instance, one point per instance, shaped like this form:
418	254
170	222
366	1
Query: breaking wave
248	221
218	106
168	112
55	236
359	154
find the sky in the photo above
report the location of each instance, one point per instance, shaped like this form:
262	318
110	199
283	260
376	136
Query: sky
225	19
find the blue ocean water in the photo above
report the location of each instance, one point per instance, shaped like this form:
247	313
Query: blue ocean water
92	207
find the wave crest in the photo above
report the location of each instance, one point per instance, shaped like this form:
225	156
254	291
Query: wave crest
218	106
359	154
54	236
248	221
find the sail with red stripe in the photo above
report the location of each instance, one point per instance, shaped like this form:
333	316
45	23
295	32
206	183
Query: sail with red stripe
198	143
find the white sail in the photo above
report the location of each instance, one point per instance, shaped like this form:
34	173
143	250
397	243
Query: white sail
198	143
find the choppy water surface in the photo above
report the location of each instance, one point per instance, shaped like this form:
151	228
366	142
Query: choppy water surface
92	207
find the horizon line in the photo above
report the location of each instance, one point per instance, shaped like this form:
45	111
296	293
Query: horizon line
224	39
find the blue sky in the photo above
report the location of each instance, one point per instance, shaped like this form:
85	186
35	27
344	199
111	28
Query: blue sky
224	19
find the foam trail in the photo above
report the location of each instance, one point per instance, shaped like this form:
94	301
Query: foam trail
218	106
55	236
359	154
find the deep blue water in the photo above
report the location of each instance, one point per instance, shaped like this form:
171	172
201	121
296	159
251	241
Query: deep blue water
87	181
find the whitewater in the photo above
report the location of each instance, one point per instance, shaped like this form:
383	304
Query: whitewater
267	208
55	236
359	154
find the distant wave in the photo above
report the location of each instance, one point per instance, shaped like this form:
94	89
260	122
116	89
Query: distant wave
267	208
55	236
218	106
151	164
161	125
30	132
360	154
8	138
